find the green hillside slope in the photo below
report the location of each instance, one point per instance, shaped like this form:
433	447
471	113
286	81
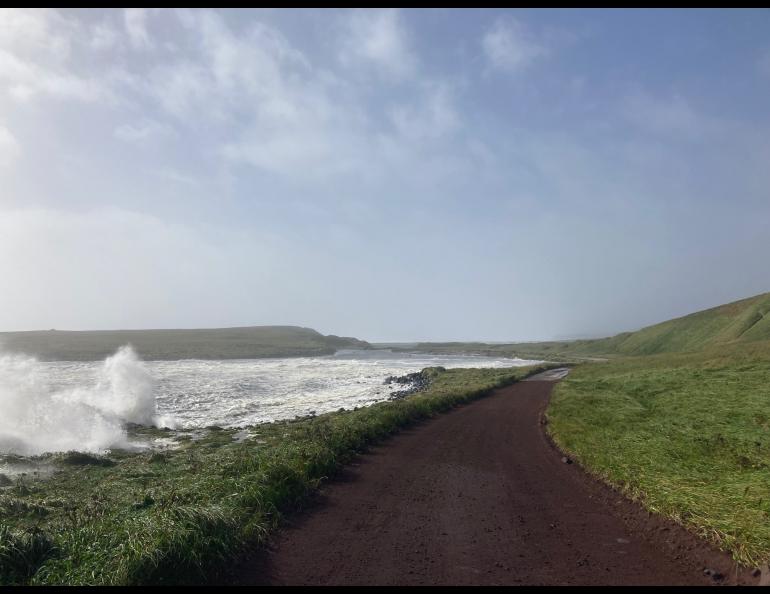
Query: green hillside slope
744	320
747	320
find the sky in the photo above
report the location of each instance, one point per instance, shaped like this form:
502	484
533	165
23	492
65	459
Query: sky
391	175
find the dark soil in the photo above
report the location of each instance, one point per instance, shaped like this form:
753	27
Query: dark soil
479	496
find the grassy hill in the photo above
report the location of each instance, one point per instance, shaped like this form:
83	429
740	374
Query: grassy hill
747	320
216	343
744	321
678	420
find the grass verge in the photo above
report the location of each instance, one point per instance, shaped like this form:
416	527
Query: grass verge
686	435
181	516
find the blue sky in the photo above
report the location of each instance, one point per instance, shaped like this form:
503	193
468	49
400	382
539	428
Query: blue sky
393	175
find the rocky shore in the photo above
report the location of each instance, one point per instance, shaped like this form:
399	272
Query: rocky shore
413	382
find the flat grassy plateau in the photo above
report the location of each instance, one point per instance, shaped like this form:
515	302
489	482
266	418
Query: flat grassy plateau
254	342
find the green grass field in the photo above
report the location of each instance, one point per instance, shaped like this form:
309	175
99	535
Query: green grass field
183	515
688	435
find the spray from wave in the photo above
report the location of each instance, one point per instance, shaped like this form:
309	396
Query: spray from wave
36	417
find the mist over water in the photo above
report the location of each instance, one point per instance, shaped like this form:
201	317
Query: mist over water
41	412
59	406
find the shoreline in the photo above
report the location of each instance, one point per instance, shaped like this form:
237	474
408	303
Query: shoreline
190	508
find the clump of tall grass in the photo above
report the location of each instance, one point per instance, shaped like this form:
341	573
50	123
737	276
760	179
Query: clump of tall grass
22	552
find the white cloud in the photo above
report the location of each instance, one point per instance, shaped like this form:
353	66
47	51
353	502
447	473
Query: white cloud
181	87
433	115
135	21
509	45
10	149
36	30
252	94
142	131
26	79
36	48
228	73
294	118
104	37
376	39
285	115
179	178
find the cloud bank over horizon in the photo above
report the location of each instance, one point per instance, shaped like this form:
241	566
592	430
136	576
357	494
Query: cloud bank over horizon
391	175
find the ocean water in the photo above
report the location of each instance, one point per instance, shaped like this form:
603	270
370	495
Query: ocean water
59	406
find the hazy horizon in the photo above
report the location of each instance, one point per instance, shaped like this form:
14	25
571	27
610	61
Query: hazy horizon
390	175
385	342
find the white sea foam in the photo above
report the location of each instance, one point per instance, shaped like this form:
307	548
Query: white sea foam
42	412
55	406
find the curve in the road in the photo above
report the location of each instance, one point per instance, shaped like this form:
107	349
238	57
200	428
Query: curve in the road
479	496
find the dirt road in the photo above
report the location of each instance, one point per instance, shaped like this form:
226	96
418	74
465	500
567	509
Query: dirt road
479	496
